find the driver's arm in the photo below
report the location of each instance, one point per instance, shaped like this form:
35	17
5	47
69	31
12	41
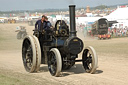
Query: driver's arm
36	25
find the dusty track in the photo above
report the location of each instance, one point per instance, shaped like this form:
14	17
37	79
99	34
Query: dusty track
112	64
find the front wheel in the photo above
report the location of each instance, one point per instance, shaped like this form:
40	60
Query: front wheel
54	62
90	59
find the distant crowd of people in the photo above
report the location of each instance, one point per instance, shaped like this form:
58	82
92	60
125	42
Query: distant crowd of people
118	32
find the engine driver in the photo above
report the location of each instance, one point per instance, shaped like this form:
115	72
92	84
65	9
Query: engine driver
41	24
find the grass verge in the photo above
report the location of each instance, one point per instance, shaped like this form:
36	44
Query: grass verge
6	80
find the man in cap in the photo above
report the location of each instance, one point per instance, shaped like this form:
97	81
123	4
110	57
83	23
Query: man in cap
48	26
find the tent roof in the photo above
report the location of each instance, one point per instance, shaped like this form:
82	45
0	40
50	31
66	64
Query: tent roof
119	13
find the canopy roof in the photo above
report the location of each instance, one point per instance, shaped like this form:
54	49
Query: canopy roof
119	14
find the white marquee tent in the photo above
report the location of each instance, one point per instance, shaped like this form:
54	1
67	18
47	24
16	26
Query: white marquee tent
121	13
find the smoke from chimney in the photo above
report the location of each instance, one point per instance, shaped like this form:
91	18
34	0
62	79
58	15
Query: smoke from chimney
70	1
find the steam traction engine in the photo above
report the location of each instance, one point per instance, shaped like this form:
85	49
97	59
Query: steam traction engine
59	49
100	28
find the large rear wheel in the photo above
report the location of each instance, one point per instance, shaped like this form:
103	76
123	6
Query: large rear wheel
90	59
31	53
54	62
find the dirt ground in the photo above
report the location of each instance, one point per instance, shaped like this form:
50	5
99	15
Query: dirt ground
112	62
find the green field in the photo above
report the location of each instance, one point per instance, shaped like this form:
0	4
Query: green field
11	78
6	80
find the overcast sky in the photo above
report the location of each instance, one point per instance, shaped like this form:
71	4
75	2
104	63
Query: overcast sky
8	5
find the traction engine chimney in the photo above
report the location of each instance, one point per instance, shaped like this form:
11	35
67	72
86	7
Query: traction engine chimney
72	21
